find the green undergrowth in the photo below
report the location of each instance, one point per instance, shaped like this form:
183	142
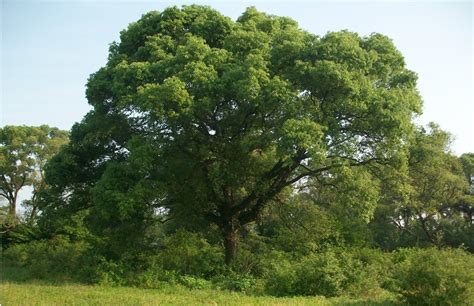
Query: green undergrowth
191	270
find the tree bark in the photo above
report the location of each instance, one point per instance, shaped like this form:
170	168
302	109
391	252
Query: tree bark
12	207
230	244
426	230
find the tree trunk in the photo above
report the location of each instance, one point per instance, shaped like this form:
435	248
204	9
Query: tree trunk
426	230
12	207
33	213
230	244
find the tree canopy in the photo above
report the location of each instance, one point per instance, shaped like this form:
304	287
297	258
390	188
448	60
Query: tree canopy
206	120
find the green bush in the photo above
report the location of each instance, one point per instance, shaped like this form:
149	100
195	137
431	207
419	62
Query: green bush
320	274
434	277
281	278
332	272
192	282
234	282
190	254
154	277
314	274
108	273
366	271
57	259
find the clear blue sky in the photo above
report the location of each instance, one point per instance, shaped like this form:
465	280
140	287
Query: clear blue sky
50	48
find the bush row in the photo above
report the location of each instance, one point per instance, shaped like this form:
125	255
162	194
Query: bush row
419	276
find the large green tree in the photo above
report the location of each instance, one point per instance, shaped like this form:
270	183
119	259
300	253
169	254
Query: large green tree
206	120
24	151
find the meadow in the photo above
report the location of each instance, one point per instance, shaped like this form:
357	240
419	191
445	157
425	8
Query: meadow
74	294
17	287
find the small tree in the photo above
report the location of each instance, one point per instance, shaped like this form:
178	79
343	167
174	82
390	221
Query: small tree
24	151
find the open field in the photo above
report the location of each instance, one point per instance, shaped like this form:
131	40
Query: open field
43	294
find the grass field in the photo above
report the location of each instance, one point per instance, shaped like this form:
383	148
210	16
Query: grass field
44	294
18	288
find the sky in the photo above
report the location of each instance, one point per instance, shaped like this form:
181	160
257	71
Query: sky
49	49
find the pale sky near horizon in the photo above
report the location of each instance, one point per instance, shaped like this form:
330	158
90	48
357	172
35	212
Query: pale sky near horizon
49	48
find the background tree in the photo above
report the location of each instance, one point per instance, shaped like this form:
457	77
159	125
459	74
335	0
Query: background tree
24	151
433	190
330	210
466	206
222	116
71	174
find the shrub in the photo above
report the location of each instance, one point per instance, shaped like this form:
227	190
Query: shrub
108	273
57	259
314	274
333	272
154	277
190	254
434	277
234	282
192	282
281	278
320	274
366	271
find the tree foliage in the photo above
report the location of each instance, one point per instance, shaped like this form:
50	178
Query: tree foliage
432	197
24	151
434	277
219	117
